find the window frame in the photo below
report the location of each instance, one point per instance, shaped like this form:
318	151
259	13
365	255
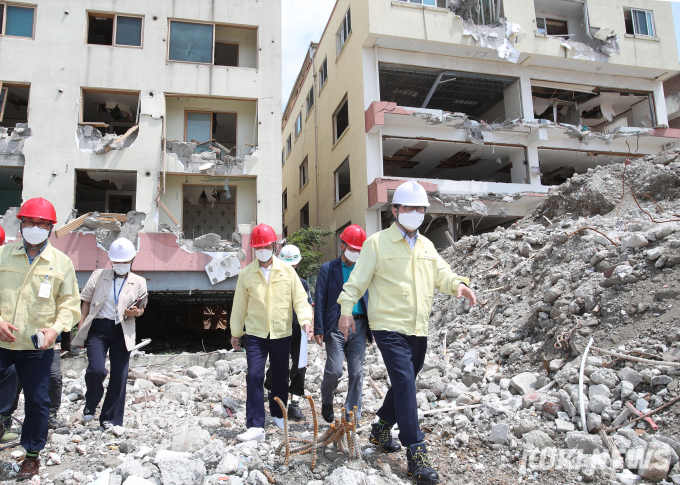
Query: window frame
343	33
115	28
649	15
212	112
336	135
284	201
308	217
420	2
298	125
283	157
336	186
107	91
305	164
289	144
323	73
4	100
310	95
3	26
167	57
544	31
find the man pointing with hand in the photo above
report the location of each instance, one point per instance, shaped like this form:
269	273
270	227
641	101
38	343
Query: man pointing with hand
401	269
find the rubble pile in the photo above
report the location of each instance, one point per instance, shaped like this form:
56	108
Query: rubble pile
499	389
12	145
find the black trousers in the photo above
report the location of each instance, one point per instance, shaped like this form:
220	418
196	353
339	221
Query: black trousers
33	369
9	401
105	336
297	376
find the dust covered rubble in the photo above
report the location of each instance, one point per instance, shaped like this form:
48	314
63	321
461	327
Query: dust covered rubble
517	412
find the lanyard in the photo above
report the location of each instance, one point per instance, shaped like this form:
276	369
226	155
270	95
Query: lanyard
117	295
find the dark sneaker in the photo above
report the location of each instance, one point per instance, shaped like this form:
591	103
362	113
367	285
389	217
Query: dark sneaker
381	435
419	467
53	422
106	426
327	412
29	468
294	412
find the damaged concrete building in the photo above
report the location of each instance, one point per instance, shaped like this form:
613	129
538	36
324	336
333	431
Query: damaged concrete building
488	103
156	121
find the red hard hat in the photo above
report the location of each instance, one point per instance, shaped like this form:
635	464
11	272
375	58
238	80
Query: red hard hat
354	236
262	235
39	208
2	236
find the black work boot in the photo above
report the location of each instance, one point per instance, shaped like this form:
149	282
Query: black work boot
294	412
381	435
53	422
327	412
419	467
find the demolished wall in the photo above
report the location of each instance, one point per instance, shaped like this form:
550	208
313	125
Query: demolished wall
90	139
209	162
12	146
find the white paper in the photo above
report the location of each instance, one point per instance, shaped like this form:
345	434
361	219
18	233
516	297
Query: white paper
45	290
302	360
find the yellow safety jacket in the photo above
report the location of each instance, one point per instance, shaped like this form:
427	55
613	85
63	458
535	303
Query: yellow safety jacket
267	309
21	302
400	282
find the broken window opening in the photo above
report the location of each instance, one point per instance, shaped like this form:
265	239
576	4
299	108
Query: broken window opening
206	126
235	46
340	120
110	112
478	95
114	30
209	209
480	12
557	166
105	191
552	27
304	215
639	22
11	186
408	157
591	108
226	54
304	173
17	21
344	32
341	180
13	105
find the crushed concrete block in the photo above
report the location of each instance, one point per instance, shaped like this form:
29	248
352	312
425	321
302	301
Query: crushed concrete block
564	426
499	433
583	441
182	471
537	439
189	440
524	383
209	240
656	462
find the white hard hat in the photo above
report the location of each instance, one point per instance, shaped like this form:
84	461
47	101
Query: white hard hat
412	194
290	255
122	250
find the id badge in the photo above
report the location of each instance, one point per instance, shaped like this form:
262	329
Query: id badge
45	290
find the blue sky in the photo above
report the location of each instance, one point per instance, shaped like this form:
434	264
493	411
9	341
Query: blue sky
304	21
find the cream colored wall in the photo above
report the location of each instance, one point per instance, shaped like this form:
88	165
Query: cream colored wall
246	196
245	117
345	78
246	40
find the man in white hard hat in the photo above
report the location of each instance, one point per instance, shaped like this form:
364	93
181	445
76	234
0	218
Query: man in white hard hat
401	269
290	255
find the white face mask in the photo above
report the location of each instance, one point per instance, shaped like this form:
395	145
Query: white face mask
121	268
352	255
34	235
264	255
411	220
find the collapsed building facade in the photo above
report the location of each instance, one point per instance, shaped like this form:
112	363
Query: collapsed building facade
156	121
486	103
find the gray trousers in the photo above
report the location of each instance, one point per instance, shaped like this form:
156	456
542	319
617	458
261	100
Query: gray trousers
354	351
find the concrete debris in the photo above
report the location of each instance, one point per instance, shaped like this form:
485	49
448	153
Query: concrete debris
523	422
108	228
197	158
90	139
12	145
10	224
223	266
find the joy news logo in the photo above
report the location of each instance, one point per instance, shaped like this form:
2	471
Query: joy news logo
547	459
